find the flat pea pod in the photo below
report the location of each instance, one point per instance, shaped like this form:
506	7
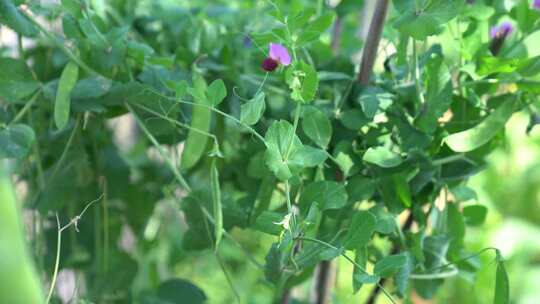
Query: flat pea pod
480	134
201	116
20	283
62	104
216	203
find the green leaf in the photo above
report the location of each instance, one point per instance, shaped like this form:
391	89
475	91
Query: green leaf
252	111
382	157
216	206
200	121
11	16
361	256
91	87
401	279
475	215
317	126
491	65
389	265
360	188
315	28
180	291
420	19
396	192
286	153
479	11
345	163
482	133
364	278
353	119
360	230
502	286
275	261
62	104
16	81
438	96
328	195
281	140
456	228
16	140
299	20
386	223
306	156
463	193
267	222
348	6
303	82
74	7
374	99
217	92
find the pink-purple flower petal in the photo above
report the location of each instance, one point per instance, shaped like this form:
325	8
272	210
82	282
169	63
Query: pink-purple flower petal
502	30
279	53
536	4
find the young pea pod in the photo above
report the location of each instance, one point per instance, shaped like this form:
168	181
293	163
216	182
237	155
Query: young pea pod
62	104
200	121
216	201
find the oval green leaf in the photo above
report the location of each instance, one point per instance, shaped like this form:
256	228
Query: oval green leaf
252	111
382	157
317	126
216	92
16	140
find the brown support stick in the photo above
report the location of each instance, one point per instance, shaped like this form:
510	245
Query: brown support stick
372	42
325	278
336	35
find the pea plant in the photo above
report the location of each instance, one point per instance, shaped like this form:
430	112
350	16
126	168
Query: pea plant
143	132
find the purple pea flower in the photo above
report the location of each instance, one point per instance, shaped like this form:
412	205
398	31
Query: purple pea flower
536	4
498	34
502	30
277	54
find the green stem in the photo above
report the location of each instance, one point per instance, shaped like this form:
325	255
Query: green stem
152	139
26	107
417	74
57	261
289	207
250	129
295	127
62	47
73	221
499	81
228	277
41	176
183	125
66	149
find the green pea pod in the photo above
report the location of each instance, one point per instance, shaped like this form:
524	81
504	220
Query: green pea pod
62	104
20	283
216	200
200	121
479	135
